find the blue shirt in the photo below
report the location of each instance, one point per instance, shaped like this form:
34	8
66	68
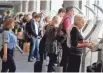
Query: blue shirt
10	39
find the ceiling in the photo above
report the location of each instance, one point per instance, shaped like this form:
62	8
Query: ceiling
4	2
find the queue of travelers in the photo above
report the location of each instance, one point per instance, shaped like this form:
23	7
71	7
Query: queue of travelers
56	32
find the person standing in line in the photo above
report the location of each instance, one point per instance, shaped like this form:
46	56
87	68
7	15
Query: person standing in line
77	44
50	43
9	45
66	23
47	22
8	13
60	15
30	34
4	16
20	31
36	19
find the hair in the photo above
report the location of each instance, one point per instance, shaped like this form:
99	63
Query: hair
46	18
79	19
55	19
69	8
7	23
28	14
28	17
20	15
61	10
38	16
34	14
8	12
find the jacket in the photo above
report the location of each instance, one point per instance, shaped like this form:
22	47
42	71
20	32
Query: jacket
30	29
51	39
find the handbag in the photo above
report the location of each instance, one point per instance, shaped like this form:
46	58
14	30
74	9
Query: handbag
26	47
62	35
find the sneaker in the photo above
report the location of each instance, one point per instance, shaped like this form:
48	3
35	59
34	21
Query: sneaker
32	57
31	60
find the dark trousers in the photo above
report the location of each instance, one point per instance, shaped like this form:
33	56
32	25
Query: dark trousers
52	61
64	61
74	63
21	42
10	63
31	52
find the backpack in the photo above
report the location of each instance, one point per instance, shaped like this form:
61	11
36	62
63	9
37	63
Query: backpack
62	35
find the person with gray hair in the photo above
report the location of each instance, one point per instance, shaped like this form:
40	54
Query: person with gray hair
77	44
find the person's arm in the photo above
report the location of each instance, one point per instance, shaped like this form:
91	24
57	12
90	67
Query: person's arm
21	51
5	52
82	45
5	41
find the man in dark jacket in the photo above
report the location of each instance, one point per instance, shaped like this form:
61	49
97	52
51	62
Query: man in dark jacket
30	34
36	19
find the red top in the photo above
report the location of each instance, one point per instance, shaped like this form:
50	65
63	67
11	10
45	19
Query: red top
67	22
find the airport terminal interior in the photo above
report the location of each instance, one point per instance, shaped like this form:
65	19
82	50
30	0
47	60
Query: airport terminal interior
38	32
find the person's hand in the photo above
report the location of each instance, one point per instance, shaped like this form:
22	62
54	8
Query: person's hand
87	41
22	53
89	45
4	58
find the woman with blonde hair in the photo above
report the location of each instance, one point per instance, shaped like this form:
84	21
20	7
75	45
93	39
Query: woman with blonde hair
50	42
77	44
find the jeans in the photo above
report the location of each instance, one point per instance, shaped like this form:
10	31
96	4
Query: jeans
36	49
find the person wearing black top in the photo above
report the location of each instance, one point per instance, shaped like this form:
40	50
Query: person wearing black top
77	44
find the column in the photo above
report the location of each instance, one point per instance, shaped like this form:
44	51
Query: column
25	6
45	5
16	9
38	6
20	7
71	3
32	6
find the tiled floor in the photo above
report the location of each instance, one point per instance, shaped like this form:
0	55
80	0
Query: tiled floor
22	63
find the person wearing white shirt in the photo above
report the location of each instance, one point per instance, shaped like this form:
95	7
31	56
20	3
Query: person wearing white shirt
36	19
